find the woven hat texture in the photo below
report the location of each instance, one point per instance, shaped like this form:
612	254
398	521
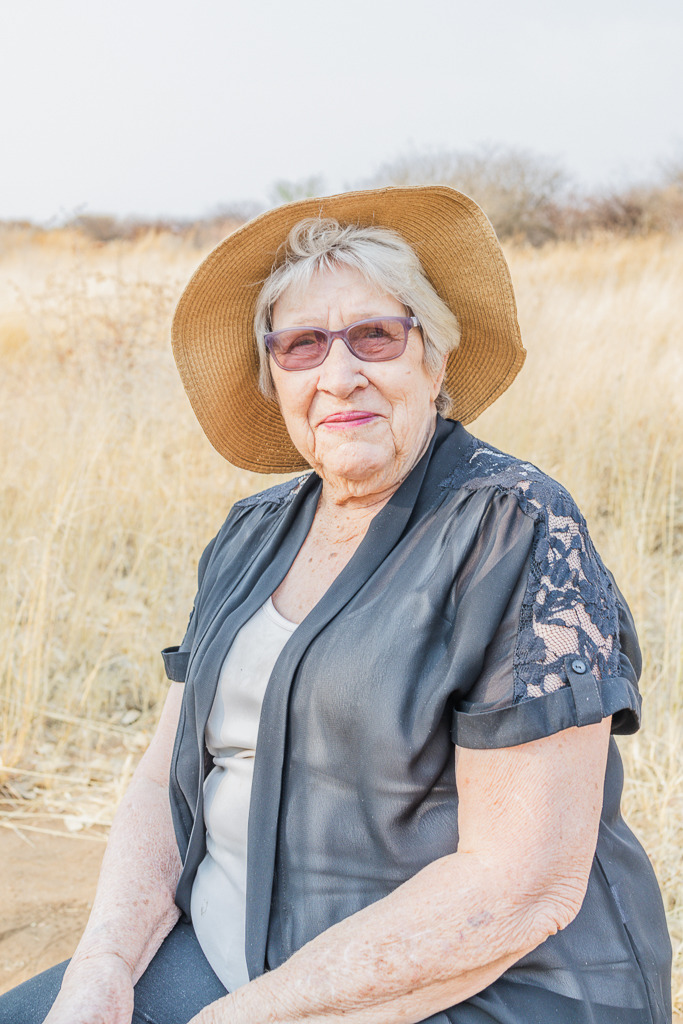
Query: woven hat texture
213	326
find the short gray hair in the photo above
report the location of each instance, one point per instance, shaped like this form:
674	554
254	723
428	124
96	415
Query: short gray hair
384	258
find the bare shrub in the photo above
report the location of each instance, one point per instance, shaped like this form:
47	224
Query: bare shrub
518	190
636	209
284	191
208	231
100	227
527	197
202	232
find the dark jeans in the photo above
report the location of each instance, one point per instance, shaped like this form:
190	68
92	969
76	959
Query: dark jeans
178	983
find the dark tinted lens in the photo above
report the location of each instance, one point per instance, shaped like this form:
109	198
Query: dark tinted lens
297	349
378	339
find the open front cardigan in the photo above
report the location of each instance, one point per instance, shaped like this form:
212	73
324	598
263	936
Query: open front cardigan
475	612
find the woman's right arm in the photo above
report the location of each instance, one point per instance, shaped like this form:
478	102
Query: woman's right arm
134	907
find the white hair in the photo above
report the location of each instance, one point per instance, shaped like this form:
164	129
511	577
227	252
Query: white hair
384	259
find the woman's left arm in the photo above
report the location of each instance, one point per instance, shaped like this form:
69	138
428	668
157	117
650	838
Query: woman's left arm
528	820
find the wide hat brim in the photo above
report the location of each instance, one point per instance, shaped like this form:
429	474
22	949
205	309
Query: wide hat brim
213	327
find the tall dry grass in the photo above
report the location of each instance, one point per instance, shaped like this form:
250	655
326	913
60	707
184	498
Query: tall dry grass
108	492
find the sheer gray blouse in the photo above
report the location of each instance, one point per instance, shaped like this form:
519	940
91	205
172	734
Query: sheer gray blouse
475	612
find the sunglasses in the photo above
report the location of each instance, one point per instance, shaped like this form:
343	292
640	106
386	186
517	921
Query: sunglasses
373	341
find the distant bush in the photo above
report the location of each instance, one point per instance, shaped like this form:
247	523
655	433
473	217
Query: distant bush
638	210
285	191
208	231
101	227
202	232
526	197
519	191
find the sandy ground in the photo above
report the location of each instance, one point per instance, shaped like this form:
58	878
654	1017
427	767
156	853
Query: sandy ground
46	889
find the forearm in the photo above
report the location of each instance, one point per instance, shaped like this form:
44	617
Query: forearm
134	909
436	940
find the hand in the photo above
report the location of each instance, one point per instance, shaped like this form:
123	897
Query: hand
240	1007
222	1011
259	1002
97	990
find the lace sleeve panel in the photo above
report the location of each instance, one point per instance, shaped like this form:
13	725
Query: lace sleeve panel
569	607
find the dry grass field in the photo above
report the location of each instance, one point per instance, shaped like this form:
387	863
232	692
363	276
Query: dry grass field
109	490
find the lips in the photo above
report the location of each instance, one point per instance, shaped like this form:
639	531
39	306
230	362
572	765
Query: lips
352	418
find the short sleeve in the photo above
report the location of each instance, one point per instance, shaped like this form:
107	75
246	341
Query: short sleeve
565	652
242	527
176	658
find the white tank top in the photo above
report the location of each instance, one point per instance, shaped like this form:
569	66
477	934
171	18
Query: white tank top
219	889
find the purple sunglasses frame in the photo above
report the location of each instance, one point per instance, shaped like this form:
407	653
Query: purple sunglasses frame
408	323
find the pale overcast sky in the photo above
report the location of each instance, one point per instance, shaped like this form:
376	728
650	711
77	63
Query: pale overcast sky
173	107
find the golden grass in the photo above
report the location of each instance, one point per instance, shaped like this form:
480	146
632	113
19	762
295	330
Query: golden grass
109	491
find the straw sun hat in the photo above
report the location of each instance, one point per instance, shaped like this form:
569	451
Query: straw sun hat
213	326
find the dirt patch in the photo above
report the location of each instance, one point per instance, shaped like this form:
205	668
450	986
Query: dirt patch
47	886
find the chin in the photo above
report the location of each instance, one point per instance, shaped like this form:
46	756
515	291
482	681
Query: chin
355	461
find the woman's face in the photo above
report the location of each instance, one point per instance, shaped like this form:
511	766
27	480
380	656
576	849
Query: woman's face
361	426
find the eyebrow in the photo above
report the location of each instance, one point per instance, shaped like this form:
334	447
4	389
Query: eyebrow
318	322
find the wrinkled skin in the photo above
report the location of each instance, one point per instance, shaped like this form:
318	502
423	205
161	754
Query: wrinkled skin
366	458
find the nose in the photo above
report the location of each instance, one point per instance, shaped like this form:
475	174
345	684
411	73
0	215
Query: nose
341	372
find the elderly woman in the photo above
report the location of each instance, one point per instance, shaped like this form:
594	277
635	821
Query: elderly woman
393	794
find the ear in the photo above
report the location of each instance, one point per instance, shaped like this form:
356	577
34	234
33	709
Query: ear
438	380
274	395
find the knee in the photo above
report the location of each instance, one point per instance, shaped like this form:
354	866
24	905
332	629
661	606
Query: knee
30	1002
